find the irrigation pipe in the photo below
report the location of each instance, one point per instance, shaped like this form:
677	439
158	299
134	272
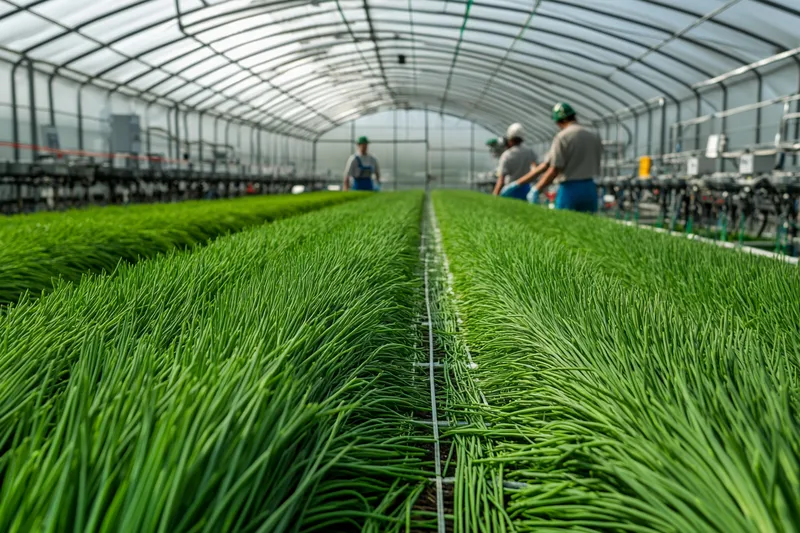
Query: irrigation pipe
440	251
441	525
722	244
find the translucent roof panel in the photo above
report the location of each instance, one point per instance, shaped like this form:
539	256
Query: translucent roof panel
303	67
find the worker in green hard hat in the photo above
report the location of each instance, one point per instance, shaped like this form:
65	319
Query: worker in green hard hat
496	146
360	168
573	163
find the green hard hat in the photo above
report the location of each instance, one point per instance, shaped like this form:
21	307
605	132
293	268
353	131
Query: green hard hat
491	142
362	140
562	111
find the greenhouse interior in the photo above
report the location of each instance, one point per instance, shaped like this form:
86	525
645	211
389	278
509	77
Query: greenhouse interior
400	266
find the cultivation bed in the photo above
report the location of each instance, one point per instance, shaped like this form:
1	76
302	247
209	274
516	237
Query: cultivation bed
263	385
635	382
585	376
39	250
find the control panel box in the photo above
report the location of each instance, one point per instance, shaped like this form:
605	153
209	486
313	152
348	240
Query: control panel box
750	164
126	134
697	166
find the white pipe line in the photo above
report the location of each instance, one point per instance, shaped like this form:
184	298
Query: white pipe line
723	244
747	68
441	525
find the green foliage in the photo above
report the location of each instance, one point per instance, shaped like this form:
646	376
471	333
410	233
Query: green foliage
36	249
255	384
634	381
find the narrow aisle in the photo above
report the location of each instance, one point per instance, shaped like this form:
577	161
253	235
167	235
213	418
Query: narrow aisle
437	498
471	497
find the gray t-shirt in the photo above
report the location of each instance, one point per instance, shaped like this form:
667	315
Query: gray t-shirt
515	163
361	166
577	152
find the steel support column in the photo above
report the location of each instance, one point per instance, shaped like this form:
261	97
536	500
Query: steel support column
394	146
471	155
314	158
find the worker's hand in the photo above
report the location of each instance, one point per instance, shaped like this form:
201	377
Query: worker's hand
377	186
509	189
533	197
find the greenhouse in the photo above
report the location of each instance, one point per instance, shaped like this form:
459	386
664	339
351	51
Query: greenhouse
400	266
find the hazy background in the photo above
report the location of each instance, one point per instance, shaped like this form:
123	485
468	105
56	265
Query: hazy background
455	146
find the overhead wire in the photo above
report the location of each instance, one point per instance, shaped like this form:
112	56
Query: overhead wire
356	44
374	40
413	44
467	9
705	18
508	51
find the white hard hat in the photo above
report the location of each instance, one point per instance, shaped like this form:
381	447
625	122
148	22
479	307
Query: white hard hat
515	130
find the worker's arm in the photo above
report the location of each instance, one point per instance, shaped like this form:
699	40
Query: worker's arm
377	172
498	186
501	173
348	171
547	179
533	174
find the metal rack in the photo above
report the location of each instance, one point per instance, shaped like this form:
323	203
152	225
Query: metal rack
53	185
749	191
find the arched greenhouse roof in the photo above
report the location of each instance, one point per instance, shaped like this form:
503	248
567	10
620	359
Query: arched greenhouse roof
304	67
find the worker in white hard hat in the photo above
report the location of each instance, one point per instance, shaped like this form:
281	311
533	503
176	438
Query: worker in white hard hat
514	163
573	163
360	168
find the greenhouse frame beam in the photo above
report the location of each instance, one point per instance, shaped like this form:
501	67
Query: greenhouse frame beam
604	92
512	95
205	59
479	65
433	35
238	64
375	40
498	111
353	37
519	65
505	22
443	26
208	18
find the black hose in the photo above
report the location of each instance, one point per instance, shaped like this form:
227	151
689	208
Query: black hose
763	224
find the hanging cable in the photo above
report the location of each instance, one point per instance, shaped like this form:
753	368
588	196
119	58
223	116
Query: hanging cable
456	52
355	43
413	44
502	61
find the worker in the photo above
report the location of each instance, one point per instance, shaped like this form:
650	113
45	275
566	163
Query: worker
496	146
360	168
573	163
515	162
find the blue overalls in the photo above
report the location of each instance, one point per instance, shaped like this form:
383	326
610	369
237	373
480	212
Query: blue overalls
578	195
363	182
518	193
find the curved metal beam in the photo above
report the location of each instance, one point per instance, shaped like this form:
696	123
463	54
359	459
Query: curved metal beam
280	6
501	107
392	21
511	84
479	65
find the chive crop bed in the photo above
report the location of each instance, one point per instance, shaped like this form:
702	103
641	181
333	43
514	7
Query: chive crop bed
634	382
589	376
257	384
37	249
